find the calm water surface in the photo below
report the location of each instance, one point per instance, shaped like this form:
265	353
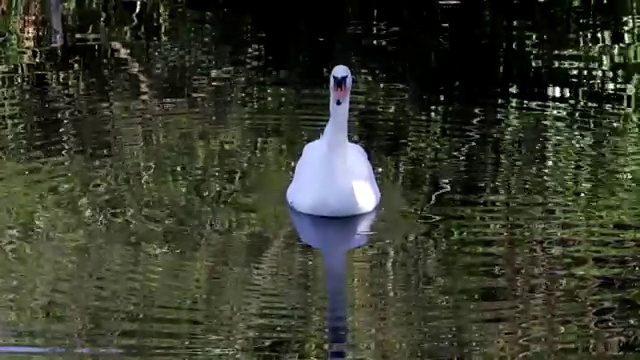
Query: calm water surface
143	172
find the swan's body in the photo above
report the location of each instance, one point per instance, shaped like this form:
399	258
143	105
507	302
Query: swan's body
333	176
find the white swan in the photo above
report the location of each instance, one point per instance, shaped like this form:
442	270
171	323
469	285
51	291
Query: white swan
333	176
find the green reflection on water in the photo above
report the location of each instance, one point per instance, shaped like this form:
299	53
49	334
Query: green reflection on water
142	208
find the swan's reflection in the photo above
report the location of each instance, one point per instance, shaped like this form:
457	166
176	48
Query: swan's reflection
334	237
57	35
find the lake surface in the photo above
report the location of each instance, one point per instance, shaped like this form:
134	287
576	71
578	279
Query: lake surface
144	165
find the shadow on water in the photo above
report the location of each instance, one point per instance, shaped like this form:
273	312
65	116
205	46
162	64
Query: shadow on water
334	238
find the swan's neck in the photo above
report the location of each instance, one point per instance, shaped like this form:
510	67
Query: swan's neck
337	127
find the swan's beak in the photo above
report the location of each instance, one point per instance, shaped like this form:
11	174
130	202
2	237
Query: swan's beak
340	90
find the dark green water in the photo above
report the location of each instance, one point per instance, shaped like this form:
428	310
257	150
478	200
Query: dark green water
143	169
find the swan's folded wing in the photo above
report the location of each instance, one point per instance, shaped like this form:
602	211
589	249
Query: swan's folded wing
307	160
357	149
310	151
359	162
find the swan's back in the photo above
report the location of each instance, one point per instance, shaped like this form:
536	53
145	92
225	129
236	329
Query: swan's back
325	186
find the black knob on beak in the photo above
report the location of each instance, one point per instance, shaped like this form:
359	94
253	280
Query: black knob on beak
340	82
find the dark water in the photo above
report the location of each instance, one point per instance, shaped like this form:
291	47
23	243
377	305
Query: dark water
144	162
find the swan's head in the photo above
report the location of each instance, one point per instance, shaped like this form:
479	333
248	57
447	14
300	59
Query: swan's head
340	84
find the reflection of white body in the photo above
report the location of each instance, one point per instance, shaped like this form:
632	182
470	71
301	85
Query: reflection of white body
333	176
334	238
